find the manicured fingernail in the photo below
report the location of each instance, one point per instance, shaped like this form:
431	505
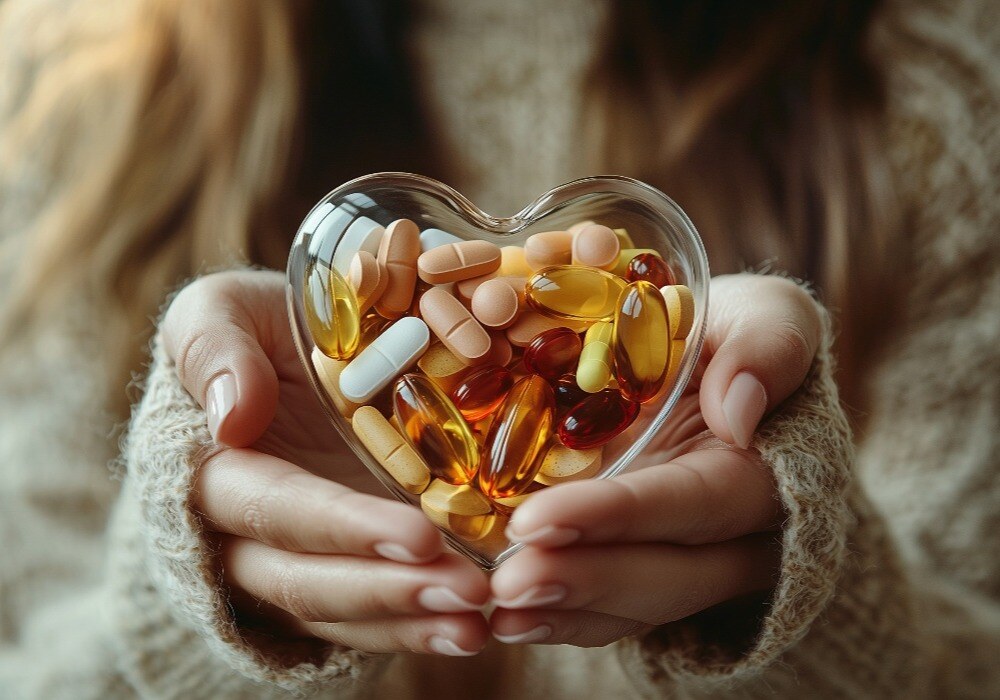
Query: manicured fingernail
397	552
444	600
220	401
536	597
743	407
532	636
440	645
548	536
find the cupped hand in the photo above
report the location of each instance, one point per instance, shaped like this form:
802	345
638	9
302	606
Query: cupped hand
609	559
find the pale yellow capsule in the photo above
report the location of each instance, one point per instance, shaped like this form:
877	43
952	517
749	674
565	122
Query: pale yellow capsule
442	366
624	238
389	448
680	306
460	509
328	371
625	257
594	369
564	464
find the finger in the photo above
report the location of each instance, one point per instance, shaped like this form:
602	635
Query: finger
341	588
580	628
247	493
651	583
214	331
709	495
448	635
762	338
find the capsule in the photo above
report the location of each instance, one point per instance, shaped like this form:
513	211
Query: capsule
641	341
568	394
517	438
649	268
331	312
481	392
552	353
596	361
625	257
371	327
574	293
597	419
435	428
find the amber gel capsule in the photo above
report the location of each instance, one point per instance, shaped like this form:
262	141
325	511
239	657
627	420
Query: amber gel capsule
641	341
553	353
516	441
482	391
435	428
574	293
568	394
650	268
331	312
596	420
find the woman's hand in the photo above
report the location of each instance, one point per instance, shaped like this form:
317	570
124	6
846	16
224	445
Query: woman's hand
608	559
304	550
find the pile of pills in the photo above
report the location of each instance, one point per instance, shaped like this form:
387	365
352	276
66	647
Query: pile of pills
477	375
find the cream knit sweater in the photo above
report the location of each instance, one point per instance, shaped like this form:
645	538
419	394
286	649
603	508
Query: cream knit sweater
890	582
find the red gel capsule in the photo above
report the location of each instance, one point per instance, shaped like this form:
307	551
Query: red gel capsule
568	394
650	268
597	419
553	353
481	392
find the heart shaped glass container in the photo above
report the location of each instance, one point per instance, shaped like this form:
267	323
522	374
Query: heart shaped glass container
652	221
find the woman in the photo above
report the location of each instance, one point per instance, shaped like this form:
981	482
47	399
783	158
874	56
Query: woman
852	144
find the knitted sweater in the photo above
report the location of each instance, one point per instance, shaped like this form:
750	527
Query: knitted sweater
890	579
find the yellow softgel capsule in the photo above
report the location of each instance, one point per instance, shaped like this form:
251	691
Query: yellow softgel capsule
593	372
641	341
574	293
331	312
431	423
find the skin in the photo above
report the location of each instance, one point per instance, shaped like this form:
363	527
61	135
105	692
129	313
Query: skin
301	526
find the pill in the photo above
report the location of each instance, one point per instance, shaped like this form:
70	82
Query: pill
466	289
418	293
574	293
397	255
513	263
596	360
680	309
372	326
579	226
435	428
625	257
455	326
552	353
435	237
597	246
367	279
501	352
458	261
563	463
482	391
493	541
391	354
363	234
442	367
516	439
511	502
548	248
641	341
390	450
651	268
331	312
459	509
677	348
568	394
624	239
498	302
328	372
597	419
531	323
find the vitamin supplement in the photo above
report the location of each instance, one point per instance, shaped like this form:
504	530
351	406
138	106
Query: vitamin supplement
597	419
498	302
568	394
641	341
397	255
331	313
513	263
389	448
596	361
328	371
516	439
563	463
650	268
434	237
625	257
391	354
458	261
435	428
548	248
480	393
579	226
680	308
466	289
454	326
623	238
442	367
597	246
574	293
553	353
677	348
501	353
367	279
511	502
363	234
531	323
458	508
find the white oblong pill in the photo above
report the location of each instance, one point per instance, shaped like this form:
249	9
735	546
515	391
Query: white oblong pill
327	233
389	355
435	237
315	216
361	201
362	234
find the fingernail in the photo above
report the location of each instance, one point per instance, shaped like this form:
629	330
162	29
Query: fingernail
440	645
444	600
220	401
548	536
743	407
397	552
536	597
532	636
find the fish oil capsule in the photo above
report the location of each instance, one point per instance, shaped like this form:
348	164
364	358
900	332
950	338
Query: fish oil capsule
459	509
498	302
435	428
390	450
519	433
553	353
574	293
391	354
568	394
372	326
650	268
597	246
548	248
513	262
455	326
481	392
331	312
626	256
597	419
367	279
530	323
458	261
397	255
596	361
641	341
680	308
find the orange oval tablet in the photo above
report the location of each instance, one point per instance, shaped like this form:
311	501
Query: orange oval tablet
597	246
548	248
465	289
397	254
458	261
501	353
454	325
579	226
530	323
367	278
498	302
